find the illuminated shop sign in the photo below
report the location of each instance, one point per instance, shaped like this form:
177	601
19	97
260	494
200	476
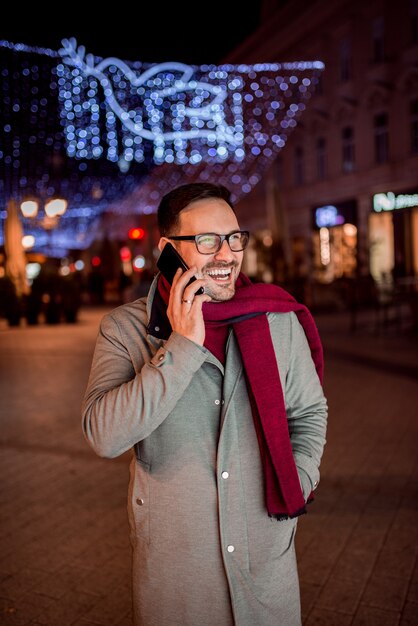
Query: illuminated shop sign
327	216
334	214
390	201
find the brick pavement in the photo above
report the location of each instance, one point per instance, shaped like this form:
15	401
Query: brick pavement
64	550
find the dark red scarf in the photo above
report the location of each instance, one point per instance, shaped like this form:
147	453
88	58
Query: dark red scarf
246	313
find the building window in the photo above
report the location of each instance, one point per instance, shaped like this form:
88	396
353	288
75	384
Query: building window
348	153
378	39
381	138
319	89
414	126
414	20
321	158
345	60
299	166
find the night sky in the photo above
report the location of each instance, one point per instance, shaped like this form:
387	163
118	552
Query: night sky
152	35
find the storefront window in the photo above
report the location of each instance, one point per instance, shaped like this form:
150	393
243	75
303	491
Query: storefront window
261	258
335	252
381	246
414	241
393	237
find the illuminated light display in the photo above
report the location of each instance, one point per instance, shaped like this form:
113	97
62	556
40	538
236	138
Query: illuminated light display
111	135
195	112
390	202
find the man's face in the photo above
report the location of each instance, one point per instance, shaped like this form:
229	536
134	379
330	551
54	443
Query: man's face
211	215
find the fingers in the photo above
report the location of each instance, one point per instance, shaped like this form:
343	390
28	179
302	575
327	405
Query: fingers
199	300
184	309
181	278
181	290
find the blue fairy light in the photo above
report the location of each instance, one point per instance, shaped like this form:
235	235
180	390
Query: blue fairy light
107	119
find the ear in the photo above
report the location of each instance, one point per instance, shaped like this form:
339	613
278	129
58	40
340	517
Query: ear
162	243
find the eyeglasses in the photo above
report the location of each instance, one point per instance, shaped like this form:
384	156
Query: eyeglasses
210	243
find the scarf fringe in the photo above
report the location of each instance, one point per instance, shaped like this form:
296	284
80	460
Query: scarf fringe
280	517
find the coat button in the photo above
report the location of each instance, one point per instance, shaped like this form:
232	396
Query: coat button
225	475
217	401
230	548
139	501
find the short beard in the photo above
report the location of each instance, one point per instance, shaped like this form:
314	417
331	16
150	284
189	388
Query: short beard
220	296
218	293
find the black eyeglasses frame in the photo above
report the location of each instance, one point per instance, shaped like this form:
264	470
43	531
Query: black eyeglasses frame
222	238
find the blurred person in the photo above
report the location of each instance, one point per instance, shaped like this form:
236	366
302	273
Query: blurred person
220	396
141	287
96	286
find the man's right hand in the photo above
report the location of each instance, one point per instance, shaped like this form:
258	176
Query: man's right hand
184	309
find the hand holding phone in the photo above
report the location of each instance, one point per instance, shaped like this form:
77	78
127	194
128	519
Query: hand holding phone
185	316
168	263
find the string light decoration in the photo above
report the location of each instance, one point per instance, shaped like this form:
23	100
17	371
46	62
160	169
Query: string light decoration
114	136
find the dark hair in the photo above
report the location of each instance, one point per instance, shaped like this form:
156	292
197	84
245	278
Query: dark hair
179	198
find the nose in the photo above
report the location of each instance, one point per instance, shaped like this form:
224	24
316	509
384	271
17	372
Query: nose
225	254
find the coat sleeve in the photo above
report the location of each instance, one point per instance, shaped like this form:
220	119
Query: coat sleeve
306	408
123	402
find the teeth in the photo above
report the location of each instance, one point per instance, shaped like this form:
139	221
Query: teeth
219	272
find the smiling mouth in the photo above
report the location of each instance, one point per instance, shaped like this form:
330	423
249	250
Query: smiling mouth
220	275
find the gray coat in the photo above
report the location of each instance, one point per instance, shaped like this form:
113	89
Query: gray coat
205	552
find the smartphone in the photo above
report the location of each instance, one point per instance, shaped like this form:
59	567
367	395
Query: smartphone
168	263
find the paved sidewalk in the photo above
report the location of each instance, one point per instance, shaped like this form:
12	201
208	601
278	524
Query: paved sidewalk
64	550
357	547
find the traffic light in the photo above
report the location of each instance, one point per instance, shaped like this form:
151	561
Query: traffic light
125	254
136	233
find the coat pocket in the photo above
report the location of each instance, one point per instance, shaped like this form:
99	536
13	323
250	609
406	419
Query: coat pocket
267	548
274	573
139	502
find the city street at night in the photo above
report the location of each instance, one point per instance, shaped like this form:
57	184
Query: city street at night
254	146
64	547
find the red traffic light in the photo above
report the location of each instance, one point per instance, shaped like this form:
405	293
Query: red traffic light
125	254
136	233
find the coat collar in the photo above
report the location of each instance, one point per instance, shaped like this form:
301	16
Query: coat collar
158	325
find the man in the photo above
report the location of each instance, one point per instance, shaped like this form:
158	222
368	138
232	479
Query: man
207	389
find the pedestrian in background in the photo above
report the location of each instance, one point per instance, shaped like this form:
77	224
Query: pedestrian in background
220	396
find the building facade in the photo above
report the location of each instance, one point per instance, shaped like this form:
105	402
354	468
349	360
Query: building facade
341	200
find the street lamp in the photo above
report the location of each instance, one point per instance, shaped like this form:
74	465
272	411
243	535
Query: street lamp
29	208
53	210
